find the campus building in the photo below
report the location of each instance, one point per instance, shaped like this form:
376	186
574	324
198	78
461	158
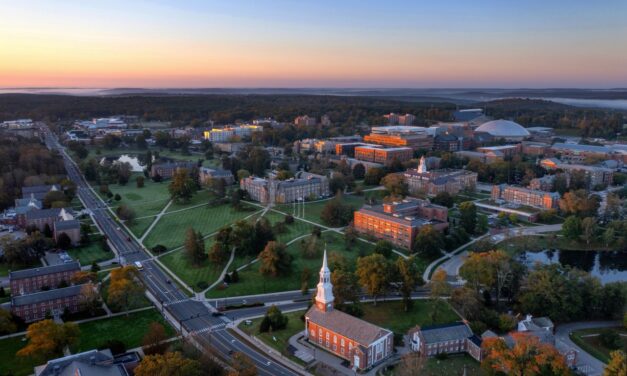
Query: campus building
594	174
307	186
36	306
383	155
452	338
166	170
504	151
206	175
525	196
28	281
396	119
92	363
420	180
58	220
417	138
39	192
227	134
305	120
361	343
399	222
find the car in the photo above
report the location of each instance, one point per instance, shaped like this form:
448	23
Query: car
168	281
217	314
139	265
128	238
118	229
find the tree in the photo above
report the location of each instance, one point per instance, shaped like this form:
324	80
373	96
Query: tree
528	357
571	229
467	302
395	184
345	286
490	269
168	364
350	236
154	341
304	281
241	365
373	176
218	253
125	290
411	364
337	183
274	260
468	216
428	242
242	174
617	365
117	197
125	213
46	339
90	299
609	236
336	213
277	319
359	171
195	246
579	203
443	198
373	274
83	276
7	325
182	186
55	199
408	274
383	247
139	181
124	173
589	228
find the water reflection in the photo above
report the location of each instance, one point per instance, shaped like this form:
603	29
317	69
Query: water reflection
607	266
137	163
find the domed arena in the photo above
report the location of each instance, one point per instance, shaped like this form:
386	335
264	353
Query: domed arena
506	129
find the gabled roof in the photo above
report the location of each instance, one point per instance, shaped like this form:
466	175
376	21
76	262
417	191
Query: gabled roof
44	296
445	332
67	225
346	325
45	270
44	213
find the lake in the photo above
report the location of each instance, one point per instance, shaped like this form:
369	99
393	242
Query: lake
607	266
133	161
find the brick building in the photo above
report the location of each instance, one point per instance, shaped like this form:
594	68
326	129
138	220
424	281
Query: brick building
379	154
39	191
35	306
417	138
396	119
399	222
166	170
28	281
507	151
525	196
452	338
285	191
361	343
59	220
305	120
205	175
535	148
594	174
420	180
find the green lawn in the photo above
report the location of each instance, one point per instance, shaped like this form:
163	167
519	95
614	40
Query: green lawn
252	282
200	197
92	252
139	226
293	230
453	365
11	364
4	269
538	243
170	230
104	292
593	345
391	315
294	325
145	201
180	265
128	329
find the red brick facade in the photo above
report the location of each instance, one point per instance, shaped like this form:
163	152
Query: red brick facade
21	286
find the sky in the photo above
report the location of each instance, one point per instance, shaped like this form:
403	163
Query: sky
317	43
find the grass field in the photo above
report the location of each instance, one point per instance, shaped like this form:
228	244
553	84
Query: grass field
145	201
104	292
294	230
11	364
251	281
139	226
170	230
391	315
593	344
128	329
294	325
191	274
92	252
538	243
200	197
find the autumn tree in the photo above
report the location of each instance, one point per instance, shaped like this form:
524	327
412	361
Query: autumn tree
195	246
218	253
617	365
89	299
336	213
467	302
274	260
46	339
345	286
373	176
396	185
428	242
411	364
468	216
83	276
168	364
7	325
182	186
154	341
528	357
407	273
579	203
125	289
241	365
373	274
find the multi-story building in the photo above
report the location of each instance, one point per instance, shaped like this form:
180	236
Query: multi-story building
325	121
399	222
525	196
39	192
348	148
206	175
323	146
227	134
36	306
417	138
303	187
396	119
17	124
383	155
544	183
28	281
361	343
420	180
58	220
166	170
594	174
92	363
305	120
23	206
452	338
102	123
507	151
535	148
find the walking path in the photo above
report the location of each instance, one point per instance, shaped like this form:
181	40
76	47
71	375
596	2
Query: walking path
201	295
154	222
586	363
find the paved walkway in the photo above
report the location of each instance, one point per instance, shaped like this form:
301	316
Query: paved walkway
155	221
587	363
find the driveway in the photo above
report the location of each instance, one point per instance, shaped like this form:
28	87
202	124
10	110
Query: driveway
587	363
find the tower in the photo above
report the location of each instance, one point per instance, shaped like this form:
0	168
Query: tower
422	168
324	294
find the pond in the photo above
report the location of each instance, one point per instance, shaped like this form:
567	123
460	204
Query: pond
607	266
132	160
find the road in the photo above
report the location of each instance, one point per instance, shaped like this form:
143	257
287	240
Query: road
589	364
193	317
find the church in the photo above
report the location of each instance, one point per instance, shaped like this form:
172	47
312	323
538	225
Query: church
452	181
361	343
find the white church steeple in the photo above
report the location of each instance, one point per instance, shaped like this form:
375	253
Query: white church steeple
324	295
422	168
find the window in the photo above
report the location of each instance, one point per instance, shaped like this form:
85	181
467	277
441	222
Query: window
342	341
334	338
327	336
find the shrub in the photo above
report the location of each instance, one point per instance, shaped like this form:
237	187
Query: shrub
202	285
610	339
158	249
116	347
289	219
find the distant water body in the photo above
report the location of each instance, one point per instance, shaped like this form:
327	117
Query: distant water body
617	104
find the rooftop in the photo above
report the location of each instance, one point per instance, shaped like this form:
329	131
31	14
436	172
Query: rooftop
346	325
44	270
445	332
44	296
